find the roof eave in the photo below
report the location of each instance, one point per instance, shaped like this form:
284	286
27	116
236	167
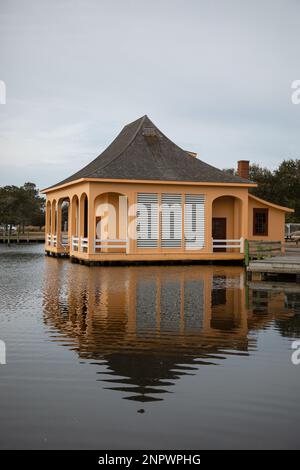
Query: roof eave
271	204
113	180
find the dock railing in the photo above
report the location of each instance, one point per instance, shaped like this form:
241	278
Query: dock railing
26	237
261	249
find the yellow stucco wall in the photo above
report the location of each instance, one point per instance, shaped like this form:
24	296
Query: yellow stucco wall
94	189
232	202
276	221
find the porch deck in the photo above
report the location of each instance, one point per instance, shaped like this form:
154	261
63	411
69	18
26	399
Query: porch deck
161	258
165	258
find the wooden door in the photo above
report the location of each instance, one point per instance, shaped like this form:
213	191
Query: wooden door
219	231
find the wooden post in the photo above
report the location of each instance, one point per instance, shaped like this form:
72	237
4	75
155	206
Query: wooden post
58	224
91	224
70	209
246	246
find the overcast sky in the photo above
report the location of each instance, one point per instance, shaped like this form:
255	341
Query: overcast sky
215	76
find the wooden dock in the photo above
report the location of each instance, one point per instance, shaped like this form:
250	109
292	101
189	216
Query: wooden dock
288	264
275	286
31	237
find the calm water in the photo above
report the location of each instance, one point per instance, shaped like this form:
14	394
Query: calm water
144	357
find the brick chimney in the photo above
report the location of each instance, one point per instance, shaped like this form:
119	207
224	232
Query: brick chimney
243	169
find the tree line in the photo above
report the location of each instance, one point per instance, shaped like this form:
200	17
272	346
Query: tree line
280	186
21	206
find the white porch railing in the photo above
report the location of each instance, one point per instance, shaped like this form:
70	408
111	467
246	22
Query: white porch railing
49	239
64	241
107	243
229	243
84	244
75	243
80	244
54	241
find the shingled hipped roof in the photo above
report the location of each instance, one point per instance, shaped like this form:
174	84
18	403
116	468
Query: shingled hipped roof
142	152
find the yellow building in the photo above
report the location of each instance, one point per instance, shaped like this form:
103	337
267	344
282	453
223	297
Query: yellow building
144	199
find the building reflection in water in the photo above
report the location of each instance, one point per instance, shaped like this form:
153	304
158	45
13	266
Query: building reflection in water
151	325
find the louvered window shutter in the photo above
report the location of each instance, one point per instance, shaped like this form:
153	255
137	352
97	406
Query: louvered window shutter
147	220
194	221
171	220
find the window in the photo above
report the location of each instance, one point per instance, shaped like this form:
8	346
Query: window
260	222
147	220
171	220
194	221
